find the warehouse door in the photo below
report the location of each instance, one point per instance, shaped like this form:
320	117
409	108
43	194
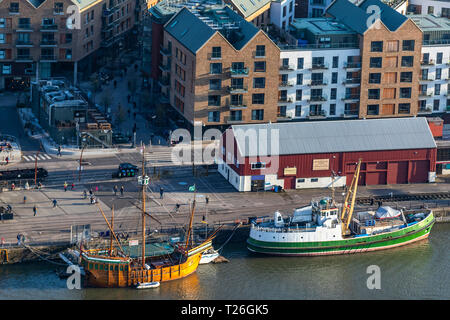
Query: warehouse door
373	178
257	183
289	183
398	172
419	171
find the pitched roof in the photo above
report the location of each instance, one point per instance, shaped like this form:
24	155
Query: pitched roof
334	136
359	17
193	32
249	7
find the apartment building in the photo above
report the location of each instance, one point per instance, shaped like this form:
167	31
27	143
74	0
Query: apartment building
320	75
434	88
44	38
317	8
282	13
255	11
439	8
218	69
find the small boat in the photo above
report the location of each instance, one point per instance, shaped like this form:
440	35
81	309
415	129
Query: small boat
147	285
209	256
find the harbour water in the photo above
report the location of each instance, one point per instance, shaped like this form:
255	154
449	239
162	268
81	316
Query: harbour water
416	271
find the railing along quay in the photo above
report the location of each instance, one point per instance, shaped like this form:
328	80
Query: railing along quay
404	197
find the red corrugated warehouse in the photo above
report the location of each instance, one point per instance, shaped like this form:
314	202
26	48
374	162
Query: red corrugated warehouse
307	155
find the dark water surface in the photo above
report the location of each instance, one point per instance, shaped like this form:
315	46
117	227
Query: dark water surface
416	271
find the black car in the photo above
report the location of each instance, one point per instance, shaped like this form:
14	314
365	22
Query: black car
119	138
126	170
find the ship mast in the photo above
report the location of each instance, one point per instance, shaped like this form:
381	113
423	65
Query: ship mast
347	211
143	180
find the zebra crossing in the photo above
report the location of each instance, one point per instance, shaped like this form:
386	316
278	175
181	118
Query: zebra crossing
164	158
40	157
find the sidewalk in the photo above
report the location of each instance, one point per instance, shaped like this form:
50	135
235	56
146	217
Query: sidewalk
123	120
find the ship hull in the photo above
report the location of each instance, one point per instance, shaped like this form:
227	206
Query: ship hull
404	236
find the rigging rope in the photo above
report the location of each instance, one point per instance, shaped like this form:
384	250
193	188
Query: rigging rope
43	258
232	233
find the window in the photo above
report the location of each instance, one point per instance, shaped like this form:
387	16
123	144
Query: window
236	115
215	68
376	46
298	111
260	51
281	111
300	180
405	93
318	62
260	66
216	53
335	62
333	93
332	109
2	22
430	10
258	98
334	77
213	116
316	78
437	89
373	109
407	61
237	100
408	45
406	77
284	11
237	83
298	95
259	83
258	165
300	62
215	84
375	78
14	7
374	94
404	108
6	69
436	104
376	62
214	100
237	66
438	73
314	179
424	74
68	54
439	58
58	8
299	79
258	114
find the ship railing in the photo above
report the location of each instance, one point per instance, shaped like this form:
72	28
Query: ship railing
284	230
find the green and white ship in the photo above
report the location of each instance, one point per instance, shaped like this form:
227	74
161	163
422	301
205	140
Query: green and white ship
324	228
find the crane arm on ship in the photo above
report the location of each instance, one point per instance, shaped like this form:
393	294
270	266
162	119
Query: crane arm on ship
347	211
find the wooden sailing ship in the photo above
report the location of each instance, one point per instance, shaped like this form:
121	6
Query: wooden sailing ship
111	267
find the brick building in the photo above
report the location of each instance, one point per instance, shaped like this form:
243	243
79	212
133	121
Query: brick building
218	68
45	38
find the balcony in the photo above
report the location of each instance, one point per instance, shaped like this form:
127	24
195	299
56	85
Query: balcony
427	62
350	113
259	54
429	78
318	114
424	95
351	81
237	89
14	11
164	82
243	72
48	58
350	97
285	99
49	28
287	67
286	84
24	58
319	66
165	67
317	98
231	119
48	43
214	56
24	43
165	52
352	65
24	28
426	110
317	83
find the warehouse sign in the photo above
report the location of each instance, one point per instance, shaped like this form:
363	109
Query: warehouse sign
321	164
290	171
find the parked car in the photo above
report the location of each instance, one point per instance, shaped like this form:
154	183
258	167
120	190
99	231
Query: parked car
118	138
126	170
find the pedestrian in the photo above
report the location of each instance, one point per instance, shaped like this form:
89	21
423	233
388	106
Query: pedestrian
207	200
73	186
96	189
39	185
27	186
18	239
7	160
13	186
59	151
65	186
121	190
115	84
177	207
24	199
92	199
161	192
115	190
54	203
34	211
129	98
84	194
134	105
90	192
